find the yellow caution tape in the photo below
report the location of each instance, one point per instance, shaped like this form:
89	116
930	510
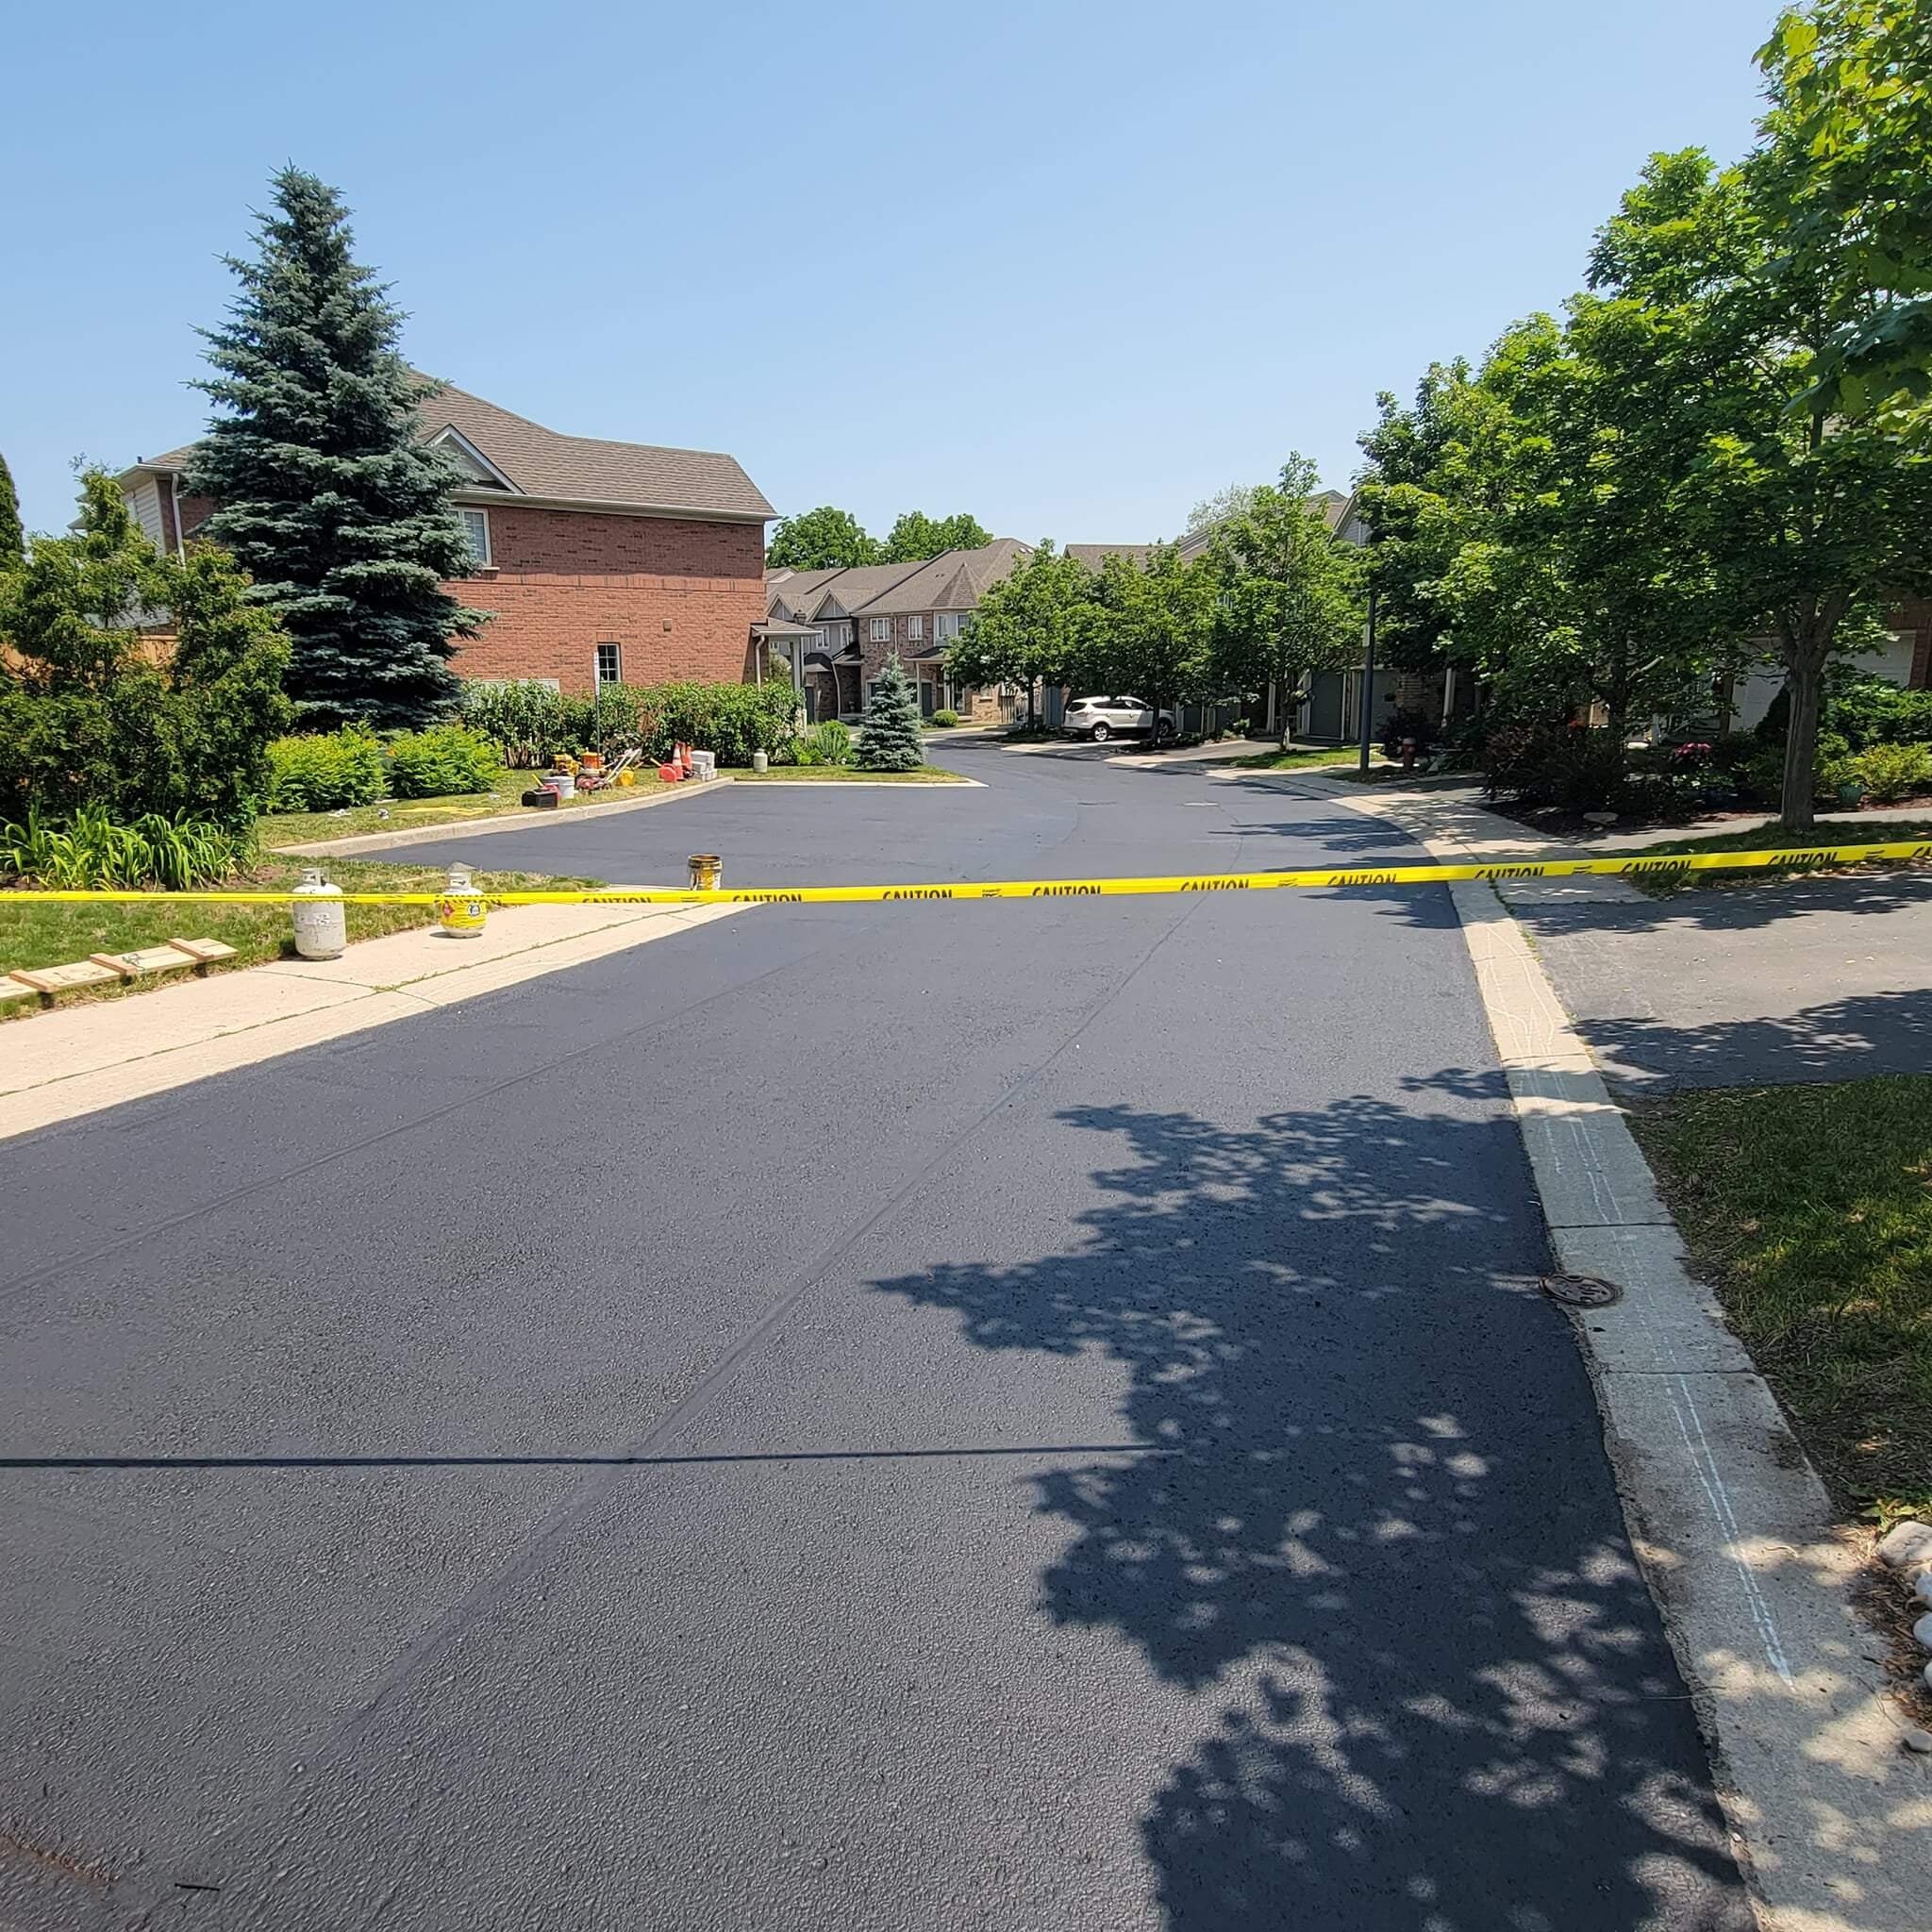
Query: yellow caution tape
1797	858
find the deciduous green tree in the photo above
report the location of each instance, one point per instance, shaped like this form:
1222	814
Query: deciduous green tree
1234	500
1155	635
1035	626
91	714
1287	600
917	536
1846	187
821	538
323	491
1805	515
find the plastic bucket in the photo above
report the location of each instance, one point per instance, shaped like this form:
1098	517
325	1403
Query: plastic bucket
707	871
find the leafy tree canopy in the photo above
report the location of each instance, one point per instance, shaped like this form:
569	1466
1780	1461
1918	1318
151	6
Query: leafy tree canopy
1040	624
91	713
1288	596
1225	505
1846	178
917	536
821	538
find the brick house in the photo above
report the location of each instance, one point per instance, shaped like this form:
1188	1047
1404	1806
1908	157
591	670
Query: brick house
602	562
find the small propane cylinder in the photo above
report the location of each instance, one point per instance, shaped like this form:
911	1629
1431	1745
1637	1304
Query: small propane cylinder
461	908
322	932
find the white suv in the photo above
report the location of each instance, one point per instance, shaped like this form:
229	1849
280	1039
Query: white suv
1103	718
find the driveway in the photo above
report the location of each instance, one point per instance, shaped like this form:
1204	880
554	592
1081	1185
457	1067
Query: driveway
1032	1414
1801	978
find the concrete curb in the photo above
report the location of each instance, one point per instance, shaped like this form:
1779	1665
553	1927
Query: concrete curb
1738	1543
496	821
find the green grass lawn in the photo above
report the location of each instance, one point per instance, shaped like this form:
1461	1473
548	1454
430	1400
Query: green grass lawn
1809	1209
1301	759
1851	831
846	775
404	814
39	934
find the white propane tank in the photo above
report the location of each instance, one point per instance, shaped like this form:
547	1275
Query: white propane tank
459	909
322	932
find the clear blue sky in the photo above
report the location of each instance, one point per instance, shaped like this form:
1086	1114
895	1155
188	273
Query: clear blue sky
1070	267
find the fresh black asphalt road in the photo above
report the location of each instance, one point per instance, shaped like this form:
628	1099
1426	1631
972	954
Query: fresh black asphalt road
1028	1414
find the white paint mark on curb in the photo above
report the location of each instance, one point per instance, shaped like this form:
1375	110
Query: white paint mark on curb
1689	1423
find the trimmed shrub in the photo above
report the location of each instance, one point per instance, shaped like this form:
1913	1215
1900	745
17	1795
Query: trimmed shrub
733	720
944	720
523	717
1892	772
440	762
325	771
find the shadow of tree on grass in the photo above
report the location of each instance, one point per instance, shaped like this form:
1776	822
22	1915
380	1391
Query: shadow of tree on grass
1383	1544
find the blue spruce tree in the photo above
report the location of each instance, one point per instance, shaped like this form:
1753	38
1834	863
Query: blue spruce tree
323	492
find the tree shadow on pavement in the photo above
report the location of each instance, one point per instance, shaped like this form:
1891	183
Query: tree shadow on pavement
1842	1040
1757	901
1381	1549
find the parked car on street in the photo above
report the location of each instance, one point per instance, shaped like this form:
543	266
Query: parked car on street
1101	718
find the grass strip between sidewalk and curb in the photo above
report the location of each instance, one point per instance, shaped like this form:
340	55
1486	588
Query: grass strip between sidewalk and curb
1809	1208
1760	838
1300	761
40	933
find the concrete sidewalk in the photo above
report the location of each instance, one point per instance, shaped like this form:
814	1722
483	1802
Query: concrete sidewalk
89	1056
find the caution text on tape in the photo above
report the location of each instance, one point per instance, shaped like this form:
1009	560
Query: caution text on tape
1795	858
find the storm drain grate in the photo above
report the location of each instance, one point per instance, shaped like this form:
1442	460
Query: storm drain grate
1582	1290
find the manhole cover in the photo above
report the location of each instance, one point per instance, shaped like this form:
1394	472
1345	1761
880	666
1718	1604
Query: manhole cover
1581	1290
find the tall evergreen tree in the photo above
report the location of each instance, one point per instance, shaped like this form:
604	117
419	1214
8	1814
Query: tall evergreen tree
323	492
890	739
13	537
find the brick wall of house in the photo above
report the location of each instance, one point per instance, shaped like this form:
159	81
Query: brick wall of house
677	597
984	708
1915	615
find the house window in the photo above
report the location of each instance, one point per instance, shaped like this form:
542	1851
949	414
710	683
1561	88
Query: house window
915	626
609	664
882	630
476	528
949	623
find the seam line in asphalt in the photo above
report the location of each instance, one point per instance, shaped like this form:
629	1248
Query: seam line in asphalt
478	1601
614	1462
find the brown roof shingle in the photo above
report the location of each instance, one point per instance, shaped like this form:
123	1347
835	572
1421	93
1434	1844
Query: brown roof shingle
580	468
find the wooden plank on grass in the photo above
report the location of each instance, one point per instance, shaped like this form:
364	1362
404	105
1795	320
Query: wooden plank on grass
204	952
67	978
144	959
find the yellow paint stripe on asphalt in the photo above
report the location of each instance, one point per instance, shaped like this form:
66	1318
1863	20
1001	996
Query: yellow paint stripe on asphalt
1795	858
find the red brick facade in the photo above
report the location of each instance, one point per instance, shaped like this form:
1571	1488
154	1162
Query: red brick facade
980	706
1914	614
679	597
